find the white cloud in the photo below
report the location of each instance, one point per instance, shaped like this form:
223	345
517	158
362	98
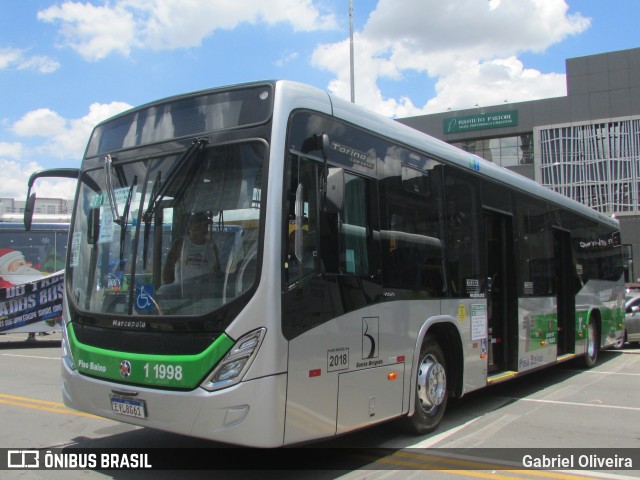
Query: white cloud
10	150
64	138
470	46
18	59
286	58
14	177
42	123
117	27
53	188
92	31
49	136
9	56
171	24
492	83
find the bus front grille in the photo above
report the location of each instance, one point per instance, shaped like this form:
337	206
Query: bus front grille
153	343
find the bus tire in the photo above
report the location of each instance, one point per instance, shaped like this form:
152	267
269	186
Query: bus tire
431	389
593	345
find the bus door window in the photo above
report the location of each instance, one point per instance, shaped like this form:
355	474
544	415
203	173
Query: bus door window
301	252
500	291
353	228
346	234
463	234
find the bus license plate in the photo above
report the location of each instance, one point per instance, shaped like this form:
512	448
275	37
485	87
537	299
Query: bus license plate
128	407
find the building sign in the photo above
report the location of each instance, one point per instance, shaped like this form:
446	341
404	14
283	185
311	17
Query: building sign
507	118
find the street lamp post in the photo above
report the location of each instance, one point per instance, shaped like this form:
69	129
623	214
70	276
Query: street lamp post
351	74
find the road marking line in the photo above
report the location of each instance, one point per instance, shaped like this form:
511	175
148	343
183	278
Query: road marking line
481	464
616	373
42	405
432	440
30	400
28	356
431	462
617	407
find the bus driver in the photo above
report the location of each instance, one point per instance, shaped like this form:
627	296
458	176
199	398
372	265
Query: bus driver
193	255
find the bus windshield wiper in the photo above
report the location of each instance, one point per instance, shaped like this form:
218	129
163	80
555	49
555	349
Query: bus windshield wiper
125	219
146	217
158	194
111	194
159	190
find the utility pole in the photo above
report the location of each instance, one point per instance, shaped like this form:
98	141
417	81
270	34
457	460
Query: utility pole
353	90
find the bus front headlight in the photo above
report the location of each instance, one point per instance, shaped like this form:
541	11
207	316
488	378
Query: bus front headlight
236	362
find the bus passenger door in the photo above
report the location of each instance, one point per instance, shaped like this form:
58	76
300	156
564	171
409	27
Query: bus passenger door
565	291
500	291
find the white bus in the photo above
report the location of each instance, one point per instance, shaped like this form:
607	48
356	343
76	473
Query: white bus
362	271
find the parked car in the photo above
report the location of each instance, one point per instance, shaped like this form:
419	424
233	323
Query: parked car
632	319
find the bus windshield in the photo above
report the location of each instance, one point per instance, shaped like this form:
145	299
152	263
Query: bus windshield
172	235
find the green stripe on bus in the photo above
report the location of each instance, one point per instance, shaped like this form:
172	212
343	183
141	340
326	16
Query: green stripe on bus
169	371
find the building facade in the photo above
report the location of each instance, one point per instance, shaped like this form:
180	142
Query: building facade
46	210
585	145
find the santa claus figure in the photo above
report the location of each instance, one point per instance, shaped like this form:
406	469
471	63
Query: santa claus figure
15	270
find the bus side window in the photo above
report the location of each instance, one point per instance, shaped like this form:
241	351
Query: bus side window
345	235
463	235
354	258
303	220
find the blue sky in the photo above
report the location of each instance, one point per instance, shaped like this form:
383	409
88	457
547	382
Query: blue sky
66	65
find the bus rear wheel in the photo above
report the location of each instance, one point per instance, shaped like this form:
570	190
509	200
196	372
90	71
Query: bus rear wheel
431	389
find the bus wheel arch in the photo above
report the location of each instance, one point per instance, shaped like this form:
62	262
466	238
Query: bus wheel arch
437	377
448	337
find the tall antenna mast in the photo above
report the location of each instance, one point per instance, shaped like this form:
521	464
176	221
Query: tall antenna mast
353	89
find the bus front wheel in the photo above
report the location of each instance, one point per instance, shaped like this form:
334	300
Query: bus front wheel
431	389
593	344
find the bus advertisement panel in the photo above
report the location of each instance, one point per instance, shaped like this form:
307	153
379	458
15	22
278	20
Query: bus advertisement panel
32	307
31	277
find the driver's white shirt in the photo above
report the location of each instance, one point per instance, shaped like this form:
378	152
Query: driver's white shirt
195	260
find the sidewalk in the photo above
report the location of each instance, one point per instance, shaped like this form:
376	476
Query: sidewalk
10	340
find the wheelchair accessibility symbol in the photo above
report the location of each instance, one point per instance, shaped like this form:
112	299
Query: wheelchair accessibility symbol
144	298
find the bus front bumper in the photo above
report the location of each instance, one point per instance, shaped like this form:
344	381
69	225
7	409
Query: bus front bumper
249	413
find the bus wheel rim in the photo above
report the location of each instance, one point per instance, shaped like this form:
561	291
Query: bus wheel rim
591	340
432	383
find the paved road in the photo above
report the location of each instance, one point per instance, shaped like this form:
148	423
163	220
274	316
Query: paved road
557	408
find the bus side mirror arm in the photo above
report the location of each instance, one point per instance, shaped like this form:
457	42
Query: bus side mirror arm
31	197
